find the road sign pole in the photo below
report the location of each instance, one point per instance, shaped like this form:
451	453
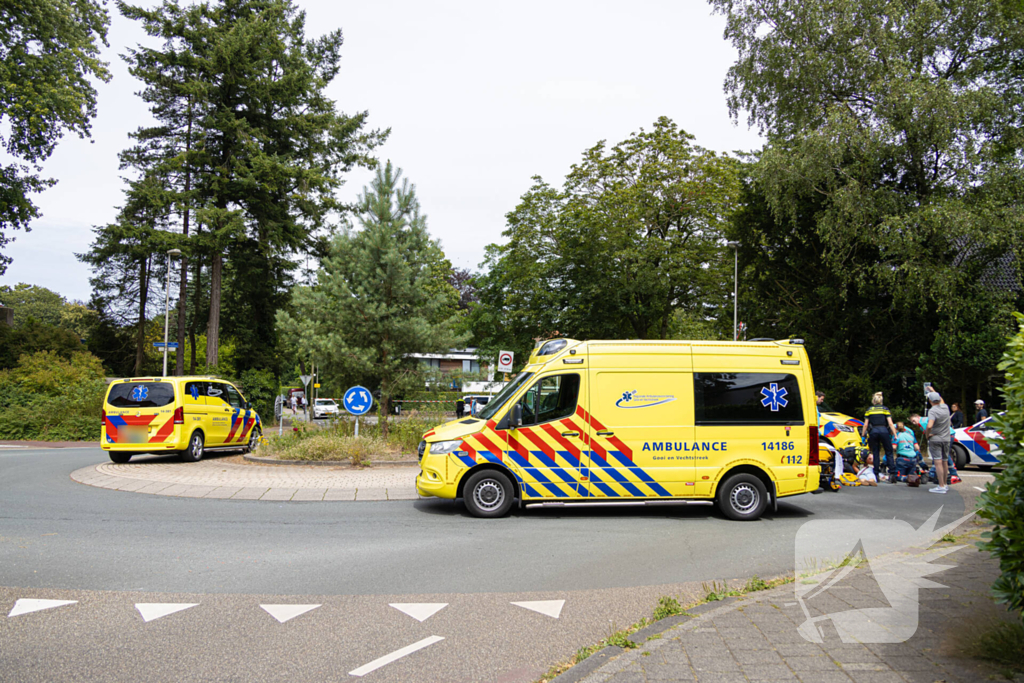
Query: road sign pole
357	426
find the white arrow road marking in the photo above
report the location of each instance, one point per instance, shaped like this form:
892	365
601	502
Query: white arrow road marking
420	611
394	656
285	612
979	488
26	605
550	608
155	610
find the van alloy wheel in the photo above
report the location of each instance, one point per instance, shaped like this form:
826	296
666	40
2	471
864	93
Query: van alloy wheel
194	452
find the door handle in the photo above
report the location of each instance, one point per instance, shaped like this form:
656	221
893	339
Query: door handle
570	433
605	432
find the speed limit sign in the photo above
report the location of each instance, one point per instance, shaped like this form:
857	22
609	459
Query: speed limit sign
505	359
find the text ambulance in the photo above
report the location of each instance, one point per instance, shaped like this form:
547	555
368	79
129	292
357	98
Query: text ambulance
604	421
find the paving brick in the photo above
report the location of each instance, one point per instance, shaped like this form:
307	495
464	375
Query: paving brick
223	492
627	677
768	672
757	657
803	663
876	677
197	491
823	677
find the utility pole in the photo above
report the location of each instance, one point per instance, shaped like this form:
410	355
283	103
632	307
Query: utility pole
735	288
167	302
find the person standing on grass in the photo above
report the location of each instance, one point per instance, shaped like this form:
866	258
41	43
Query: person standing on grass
937	433
877	429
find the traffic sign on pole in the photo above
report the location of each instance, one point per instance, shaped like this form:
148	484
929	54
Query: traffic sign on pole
171	345
358	400
305	379
505	359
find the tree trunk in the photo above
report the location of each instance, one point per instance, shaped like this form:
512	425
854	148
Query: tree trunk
195	316
179	357
140	332
213	326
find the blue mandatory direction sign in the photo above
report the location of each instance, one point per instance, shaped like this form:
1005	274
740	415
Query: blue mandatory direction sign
358	400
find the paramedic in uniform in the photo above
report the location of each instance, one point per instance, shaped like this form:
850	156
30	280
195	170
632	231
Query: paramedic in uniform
880	431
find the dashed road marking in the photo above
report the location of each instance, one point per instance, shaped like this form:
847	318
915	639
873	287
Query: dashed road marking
26	605
550	608
420	611
155	610
394	656
285	612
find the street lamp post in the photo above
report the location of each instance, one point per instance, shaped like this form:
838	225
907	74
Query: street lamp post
167	302
735	288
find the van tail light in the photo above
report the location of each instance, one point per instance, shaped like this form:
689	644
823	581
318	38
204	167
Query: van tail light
103	418
812	457
179	416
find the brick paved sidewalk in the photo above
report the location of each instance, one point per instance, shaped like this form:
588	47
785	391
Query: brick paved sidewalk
756	638
218	479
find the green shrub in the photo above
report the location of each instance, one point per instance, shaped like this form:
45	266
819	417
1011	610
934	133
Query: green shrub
260	388
49	398
667	607
1003	500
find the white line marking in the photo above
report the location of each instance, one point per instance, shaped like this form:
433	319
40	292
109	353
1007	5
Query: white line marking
7	446
26	605
285	612
155	610
550	608
979	488
420	611
394	656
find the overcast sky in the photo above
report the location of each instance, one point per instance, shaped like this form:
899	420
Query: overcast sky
479	98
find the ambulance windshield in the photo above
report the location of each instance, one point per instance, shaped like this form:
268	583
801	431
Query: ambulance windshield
495	404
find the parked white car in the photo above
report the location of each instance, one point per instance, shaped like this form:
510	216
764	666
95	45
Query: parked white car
324	407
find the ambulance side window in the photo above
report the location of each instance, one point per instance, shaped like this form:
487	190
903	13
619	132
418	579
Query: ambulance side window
195	389
234	398
746	398
552	398
217	390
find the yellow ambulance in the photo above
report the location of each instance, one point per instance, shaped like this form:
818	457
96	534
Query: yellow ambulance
610	421
188	415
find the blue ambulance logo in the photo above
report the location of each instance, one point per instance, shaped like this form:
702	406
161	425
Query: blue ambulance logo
140	393
195	392
774	397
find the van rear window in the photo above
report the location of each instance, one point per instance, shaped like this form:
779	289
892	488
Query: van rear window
746	398
141	394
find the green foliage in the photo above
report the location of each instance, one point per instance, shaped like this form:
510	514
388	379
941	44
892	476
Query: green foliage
667	607
631	247
33	337
32	301
260	388
1003	500
50	398
49	52
376	299
1002	643
882	213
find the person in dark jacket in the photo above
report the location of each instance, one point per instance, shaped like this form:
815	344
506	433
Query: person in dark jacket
880	432
980	412
956	417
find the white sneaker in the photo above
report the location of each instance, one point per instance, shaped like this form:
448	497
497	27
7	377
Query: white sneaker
938	489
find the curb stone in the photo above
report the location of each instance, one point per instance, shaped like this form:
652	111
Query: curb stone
589	665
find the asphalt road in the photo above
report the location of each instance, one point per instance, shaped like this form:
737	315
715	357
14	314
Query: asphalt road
110	550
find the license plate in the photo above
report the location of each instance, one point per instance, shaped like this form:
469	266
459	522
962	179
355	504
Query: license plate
137	435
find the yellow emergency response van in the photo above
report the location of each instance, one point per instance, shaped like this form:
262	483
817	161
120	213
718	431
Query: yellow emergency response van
607	421
188	415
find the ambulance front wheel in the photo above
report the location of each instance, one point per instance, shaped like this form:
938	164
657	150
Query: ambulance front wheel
488	493
742	497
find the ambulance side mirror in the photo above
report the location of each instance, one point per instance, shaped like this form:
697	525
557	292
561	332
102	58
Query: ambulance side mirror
515	418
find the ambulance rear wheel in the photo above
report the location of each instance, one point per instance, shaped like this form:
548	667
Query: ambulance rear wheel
194	452
488	493
119	458
742	497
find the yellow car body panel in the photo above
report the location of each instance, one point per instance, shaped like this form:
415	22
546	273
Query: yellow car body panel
649	420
